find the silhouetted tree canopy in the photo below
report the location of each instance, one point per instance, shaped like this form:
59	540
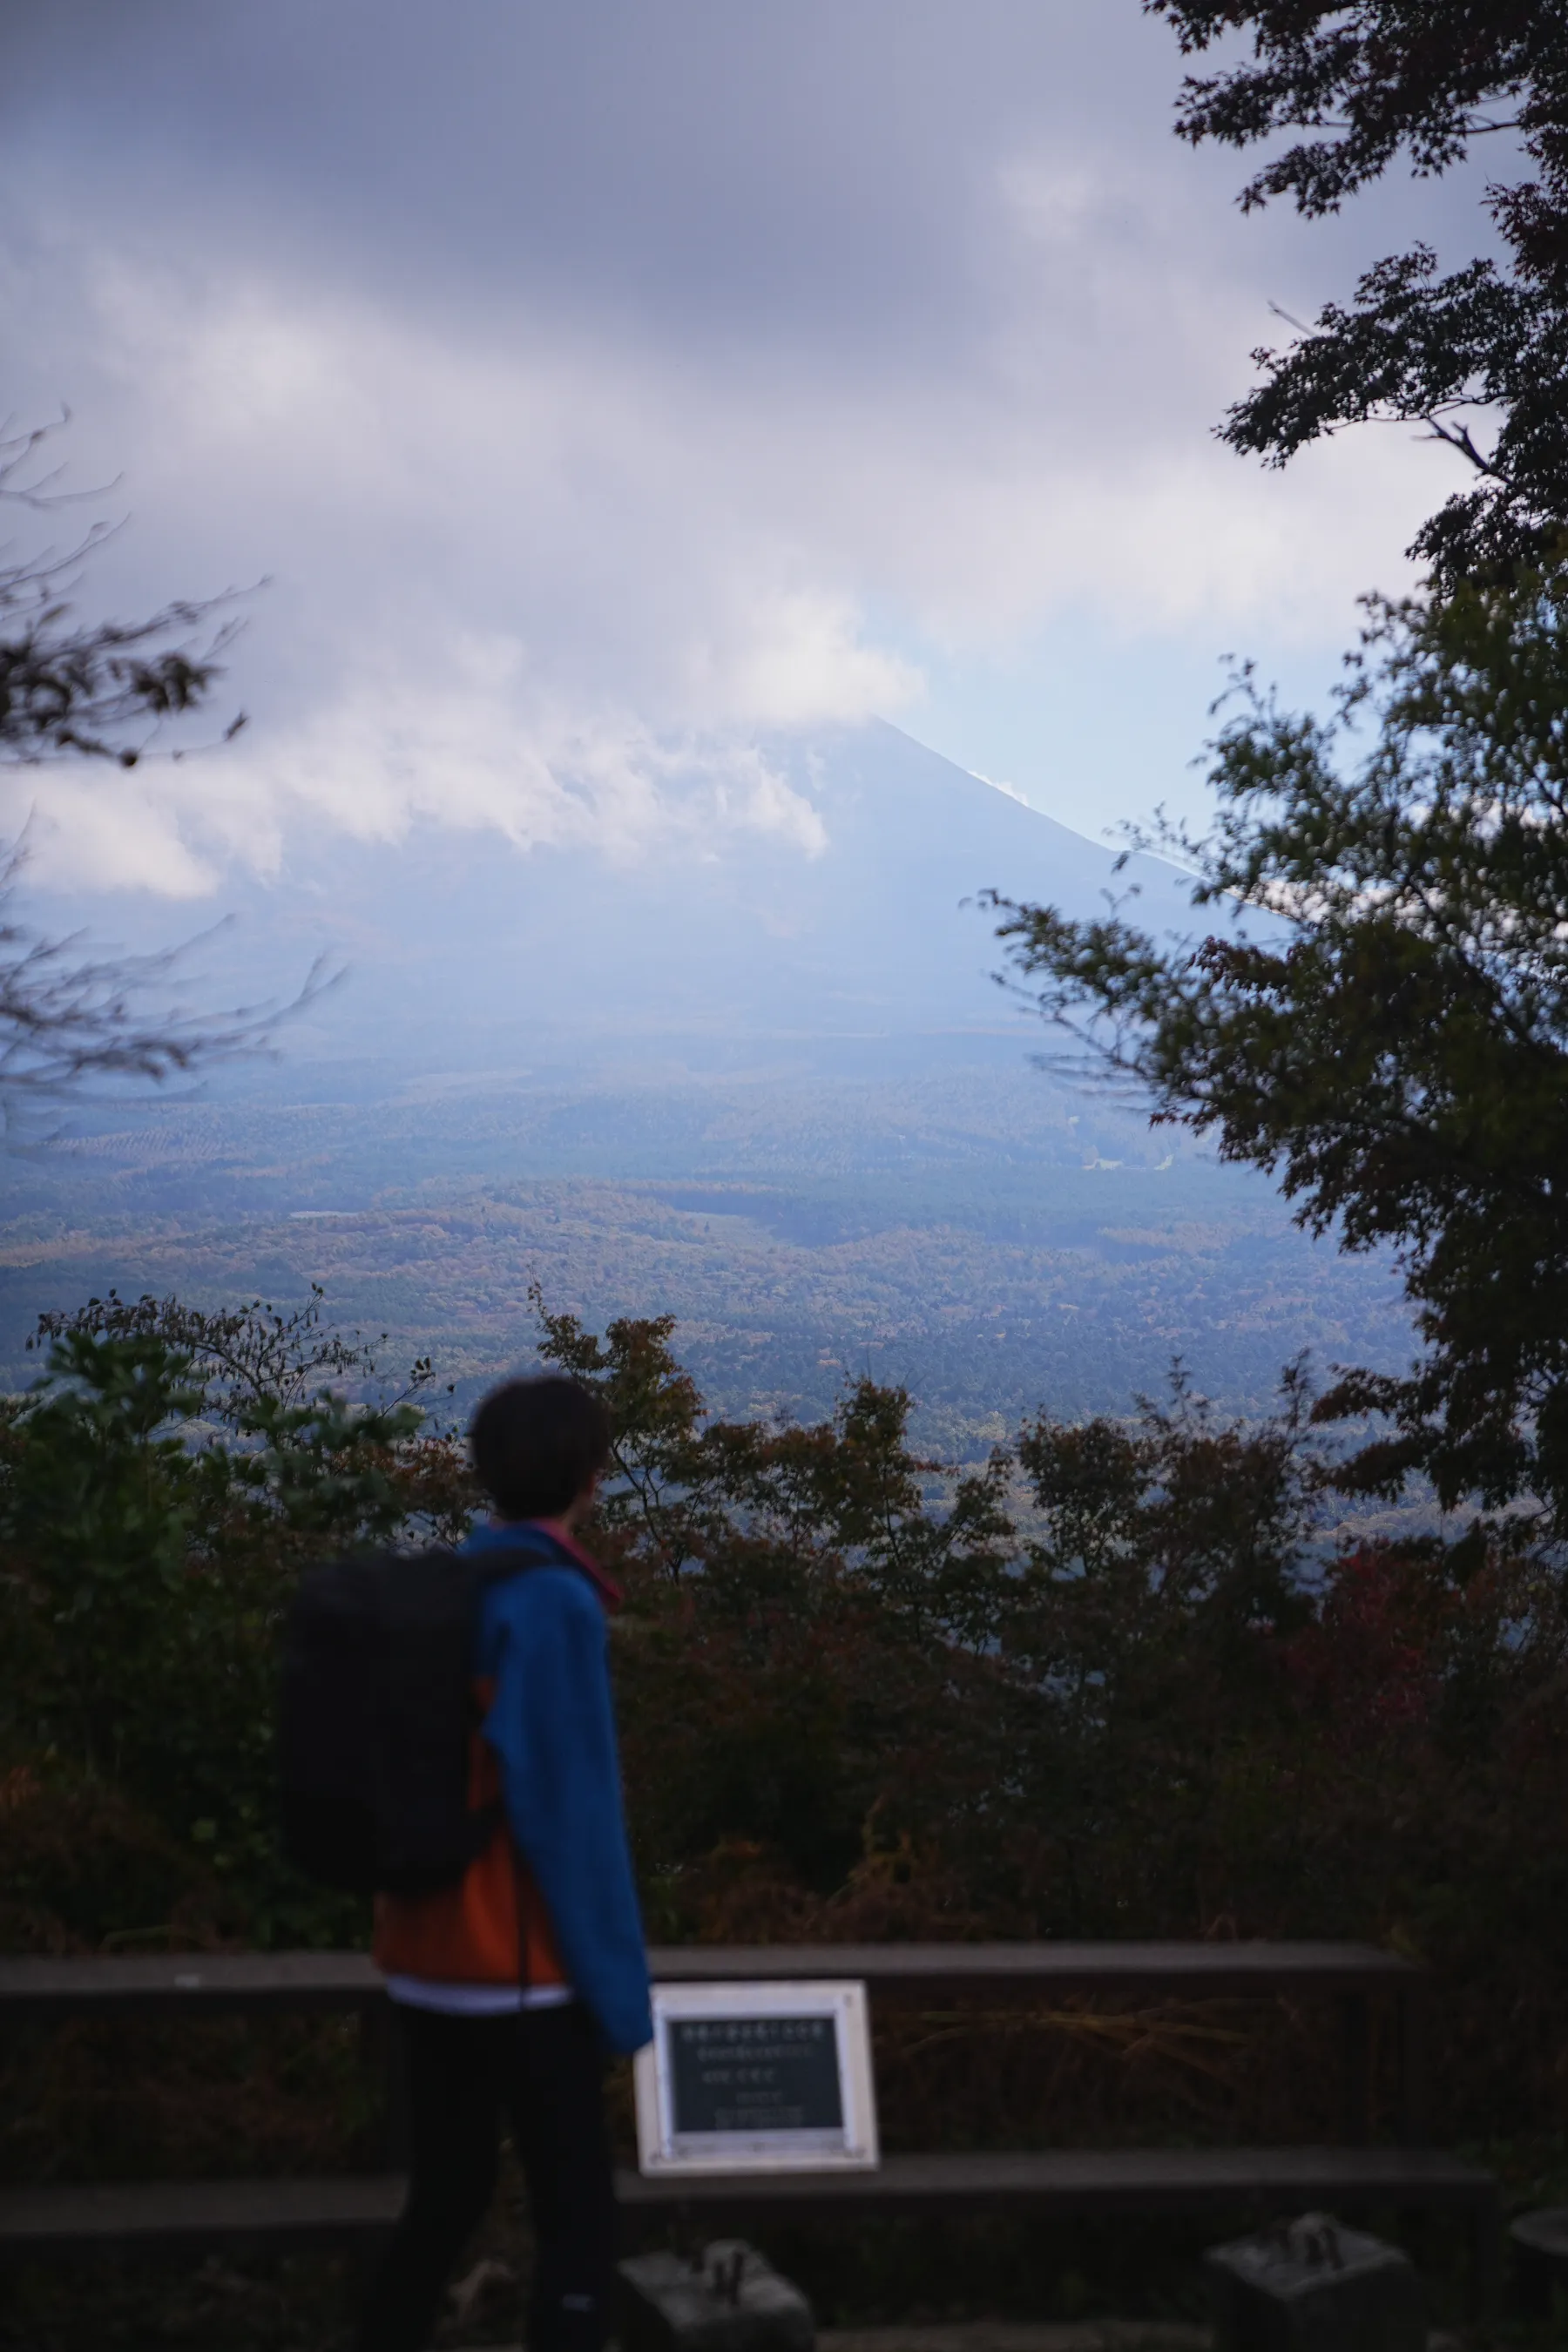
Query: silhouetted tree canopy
1480	354
1392	1038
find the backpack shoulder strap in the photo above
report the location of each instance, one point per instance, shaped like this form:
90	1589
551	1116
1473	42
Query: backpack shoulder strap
498	1562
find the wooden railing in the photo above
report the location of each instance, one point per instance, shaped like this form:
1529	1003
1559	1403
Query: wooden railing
1356	2175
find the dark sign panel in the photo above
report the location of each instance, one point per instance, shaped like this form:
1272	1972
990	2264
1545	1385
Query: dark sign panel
755	2074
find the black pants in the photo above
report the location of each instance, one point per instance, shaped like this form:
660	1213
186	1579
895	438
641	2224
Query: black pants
541	2068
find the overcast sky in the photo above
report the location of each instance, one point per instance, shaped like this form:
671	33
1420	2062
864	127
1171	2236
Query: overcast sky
599	385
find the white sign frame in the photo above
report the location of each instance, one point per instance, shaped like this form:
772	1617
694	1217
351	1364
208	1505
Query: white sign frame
853	2148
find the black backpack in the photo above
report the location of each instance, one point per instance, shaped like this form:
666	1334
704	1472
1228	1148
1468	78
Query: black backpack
377	1714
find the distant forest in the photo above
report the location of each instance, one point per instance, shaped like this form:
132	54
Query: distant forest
993	1241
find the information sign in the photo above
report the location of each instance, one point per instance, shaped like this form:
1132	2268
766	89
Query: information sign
757	2078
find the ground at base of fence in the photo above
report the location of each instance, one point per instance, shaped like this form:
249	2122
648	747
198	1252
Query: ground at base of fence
1010	2336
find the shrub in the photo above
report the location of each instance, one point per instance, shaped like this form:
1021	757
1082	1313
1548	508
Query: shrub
1121	1680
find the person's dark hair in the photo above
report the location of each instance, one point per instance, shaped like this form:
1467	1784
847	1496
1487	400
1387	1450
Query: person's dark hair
537	1442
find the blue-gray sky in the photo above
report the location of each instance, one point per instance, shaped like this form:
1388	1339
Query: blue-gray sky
599	385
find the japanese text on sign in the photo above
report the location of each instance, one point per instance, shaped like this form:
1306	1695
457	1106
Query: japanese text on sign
755	2074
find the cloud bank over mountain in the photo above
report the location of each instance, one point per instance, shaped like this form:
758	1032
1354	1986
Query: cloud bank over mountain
836	924
601	389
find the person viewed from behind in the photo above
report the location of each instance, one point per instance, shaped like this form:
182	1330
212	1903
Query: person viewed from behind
511	1986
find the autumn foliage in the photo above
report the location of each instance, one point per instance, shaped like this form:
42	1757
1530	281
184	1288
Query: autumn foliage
1124	1678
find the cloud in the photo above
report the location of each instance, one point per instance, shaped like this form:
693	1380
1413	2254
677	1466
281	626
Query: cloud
383	757
602	391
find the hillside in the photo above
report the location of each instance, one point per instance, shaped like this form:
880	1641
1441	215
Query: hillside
820	910
767	1087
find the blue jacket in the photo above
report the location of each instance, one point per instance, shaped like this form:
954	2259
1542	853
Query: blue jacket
542	1643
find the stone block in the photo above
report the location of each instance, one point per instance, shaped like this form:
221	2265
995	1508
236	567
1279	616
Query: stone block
1310	2285
725	2299
1540	2246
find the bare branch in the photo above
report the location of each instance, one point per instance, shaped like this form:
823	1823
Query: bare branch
68	1017
1458	437
107	690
